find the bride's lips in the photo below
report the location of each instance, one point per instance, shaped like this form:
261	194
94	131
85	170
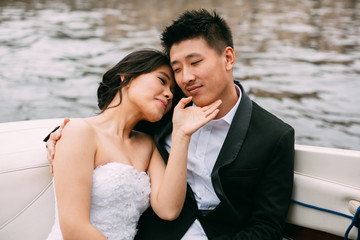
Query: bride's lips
163	103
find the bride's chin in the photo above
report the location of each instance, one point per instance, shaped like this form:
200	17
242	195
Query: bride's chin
154	118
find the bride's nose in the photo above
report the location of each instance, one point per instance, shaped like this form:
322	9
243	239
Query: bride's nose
168	94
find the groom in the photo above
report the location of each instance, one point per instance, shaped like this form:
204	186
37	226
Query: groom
240	166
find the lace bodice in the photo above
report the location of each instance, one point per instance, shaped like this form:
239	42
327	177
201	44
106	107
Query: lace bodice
120	194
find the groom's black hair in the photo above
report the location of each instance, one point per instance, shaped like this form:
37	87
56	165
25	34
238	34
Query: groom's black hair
198	23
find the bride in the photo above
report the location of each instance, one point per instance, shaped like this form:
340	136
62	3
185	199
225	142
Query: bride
103	168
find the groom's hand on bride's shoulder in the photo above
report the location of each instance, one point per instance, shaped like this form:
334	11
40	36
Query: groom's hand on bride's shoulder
51	142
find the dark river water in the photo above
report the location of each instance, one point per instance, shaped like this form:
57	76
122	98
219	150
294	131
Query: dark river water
300	59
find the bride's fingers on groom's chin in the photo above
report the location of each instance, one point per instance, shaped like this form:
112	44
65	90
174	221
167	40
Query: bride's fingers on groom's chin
187	100
215	103
205	108
212	114
218	102
182	103
214	106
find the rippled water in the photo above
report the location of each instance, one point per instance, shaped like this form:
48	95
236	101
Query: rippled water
298	59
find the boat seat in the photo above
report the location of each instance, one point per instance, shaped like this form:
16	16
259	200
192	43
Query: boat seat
27	200
326	189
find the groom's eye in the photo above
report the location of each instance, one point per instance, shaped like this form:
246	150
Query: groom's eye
196	62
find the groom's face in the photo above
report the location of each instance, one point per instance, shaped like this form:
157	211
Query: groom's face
200	71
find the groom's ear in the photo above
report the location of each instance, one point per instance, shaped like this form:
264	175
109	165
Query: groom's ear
229	56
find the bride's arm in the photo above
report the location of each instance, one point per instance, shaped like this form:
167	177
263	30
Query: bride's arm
168	185
73	169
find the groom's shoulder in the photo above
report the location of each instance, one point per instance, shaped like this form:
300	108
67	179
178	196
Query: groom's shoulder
268	119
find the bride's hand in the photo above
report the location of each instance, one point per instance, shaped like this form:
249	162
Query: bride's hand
190	119
50	144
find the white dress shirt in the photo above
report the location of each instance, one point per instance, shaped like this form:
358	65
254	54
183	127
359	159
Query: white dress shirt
204	147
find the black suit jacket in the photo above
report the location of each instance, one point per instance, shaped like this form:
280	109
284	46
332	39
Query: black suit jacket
252	177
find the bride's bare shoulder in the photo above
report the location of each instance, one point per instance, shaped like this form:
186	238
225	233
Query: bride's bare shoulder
79	127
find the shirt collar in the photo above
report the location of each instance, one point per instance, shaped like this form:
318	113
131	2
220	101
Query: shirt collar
230	115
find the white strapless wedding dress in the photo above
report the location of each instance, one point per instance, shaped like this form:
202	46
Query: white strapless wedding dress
120	194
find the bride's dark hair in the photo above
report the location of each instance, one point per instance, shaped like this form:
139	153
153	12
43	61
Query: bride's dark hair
136	63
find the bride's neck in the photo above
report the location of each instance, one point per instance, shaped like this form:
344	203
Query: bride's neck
118	121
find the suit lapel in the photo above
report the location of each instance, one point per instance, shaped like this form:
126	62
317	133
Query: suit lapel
233	140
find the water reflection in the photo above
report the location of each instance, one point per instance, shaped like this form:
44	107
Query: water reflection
299	59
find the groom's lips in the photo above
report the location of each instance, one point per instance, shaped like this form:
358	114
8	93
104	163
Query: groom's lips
193	89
